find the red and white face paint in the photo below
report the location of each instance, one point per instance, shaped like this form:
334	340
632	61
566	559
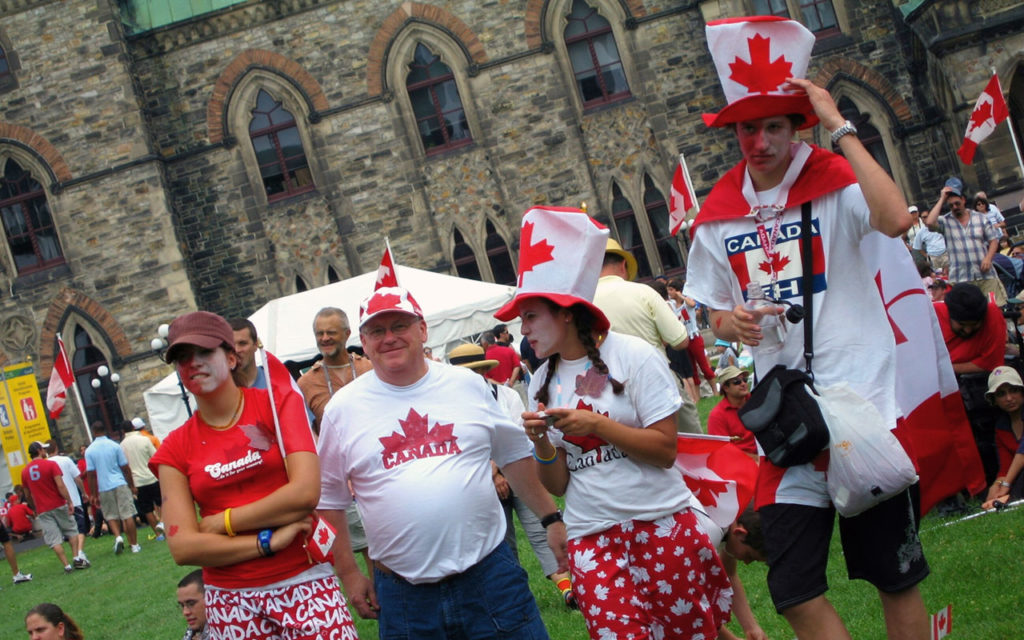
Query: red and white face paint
203	370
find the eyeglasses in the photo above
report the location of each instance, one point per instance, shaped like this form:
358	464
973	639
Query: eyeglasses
399	328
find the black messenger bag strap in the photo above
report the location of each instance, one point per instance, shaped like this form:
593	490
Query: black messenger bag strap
807	251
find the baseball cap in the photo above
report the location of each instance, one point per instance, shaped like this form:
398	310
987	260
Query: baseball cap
36	447
999	377
956	185
138	423
387	299
201	328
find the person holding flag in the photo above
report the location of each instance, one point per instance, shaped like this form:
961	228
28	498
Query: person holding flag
749	231
248	459
602	420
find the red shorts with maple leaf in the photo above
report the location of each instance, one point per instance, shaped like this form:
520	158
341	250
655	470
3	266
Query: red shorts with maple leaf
309	610
650	579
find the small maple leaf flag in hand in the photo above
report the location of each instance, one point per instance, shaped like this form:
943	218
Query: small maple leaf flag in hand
988	112
320	540
683	197
386	274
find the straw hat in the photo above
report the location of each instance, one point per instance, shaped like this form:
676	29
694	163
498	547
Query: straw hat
470	356
613	246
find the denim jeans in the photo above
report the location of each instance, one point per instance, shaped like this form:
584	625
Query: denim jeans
491	599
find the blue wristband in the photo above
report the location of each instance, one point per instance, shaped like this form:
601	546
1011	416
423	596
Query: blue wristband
264	539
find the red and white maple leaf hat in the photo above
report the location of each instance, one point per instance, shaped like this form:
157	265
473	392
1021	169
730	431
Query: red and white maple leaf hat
386	299
560	256
753	57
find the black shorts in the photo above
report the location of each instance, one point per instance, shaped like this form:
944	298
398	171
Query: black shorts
4	536
880	545
81	521
148	496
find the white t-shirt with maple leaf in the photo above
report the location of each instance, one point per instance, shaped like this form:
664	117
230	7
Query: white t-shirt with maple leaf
853	340
606	486
418	458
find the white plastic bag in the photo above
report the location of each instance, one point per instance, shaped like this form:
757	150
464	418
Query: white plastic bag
867	464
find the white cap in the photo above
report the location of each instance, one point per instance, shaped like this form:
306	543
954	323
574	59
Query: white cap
138	423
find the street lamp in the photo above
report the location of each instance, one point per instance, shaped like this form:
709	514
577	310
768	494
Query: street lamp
104	376
159	345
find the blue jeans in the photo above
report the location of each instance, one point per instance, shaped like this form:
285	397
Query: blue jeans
491	599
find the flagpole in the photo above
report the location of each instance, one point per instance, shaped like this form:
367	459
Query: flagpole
689	185
74	387
1013	134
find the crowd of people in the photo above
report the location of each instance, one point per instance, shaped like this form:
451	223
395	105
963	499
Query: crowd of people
418	464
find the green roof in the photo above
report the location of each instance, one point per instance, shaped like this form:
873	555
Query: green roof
145	15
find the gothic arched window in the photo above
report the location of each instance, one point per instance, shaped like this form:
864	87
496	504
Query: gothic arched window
279	153
629	231
594	55
31	233
100	402
499	258
657	214
464	258
440	118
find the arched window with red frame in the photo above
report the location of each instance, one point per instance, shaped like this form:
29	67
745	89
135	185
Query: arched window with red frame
434	94
594	56
28	224
278	146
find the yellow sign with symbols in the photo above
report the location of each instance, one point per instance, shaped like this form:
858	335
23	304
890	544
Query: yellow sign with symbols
22	416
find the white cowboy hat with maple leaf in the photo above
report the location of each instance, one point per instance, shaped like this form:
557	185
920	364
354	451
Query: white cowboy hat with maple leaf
754	56
560	256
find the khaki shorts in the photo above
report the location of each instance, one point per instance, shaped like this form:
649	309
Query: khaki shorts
994	286
57	523
117	504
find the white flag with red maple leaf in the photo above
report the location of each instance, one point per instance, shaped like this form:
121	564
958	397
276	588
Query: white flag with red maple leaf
683	198
989	111
942	622
61	379
320	540
386	274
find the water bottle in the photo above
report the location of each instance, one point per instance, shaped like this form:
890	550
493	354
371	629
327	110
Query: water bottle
773	330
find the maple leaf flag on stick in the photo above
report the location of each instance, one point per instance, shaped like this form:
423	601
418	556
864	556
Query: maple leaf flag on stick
683	197
988	112
61	379
386	274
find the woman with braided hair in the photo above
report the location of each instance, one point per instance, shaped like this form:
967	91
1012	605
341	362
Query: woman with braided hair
602	419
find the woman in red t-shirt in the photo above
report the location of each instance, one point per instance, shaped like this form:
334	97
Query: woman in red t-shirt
254	506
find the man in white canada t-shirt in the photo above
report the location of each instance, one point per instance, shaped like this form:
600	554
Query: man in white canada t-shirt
415	440
749	230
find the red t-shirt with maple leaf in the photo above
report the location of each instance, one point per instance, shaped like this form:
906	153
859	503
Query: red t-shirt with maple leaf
237	466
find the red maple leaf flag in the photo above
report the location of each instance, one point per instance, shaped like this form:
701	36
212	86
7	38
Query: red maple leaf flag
989	111
683	197
530	254
718	473
61	379
942	622
761	74
320	540
386	274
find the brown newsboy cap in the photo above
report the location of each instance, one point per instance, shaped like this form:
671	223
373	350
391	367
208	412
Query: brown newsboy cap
201	328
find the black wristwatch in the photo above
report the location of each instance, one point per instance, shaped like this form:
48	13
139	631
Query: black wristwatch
551	519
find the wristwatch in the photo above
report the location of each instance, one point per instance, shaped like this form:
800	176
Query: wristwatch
551	519
842	131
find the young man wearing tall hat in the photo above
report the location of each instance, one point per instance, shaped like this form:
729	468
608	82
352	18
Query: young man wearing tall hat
749	231
415	440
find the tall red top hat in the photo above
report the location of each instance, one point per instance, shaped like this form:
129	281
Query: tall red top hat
753	57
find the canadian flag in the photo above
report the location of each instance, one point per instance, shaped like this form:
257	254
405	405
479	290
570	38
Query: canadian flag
61	378
988	112
942	622
386	274
320	540
718	473
683	198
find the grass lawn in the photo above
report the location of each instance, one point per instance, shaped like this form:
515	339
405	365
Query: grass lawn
975	565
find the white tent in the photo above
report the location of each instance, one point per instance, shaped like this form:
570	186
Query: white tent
455	309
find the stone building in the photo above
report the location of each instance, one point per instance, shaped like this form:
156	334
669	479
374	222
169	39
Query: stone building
163	155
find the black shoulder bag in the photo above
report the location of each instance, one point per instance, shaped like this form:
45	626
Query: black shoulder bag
782	412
